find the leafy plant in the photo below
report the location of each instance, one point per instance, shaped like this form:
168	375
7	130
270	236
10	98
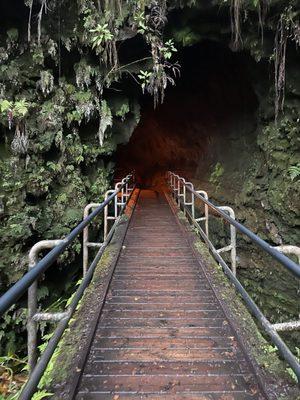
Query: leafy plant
19	108
292	374
216	174
5	105
144	77
41	394
102	35
294	171
270	349
12	380
168	49
123	110
140	20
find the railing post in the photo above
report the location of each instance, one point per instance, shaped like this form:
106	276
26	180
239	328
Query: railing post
231	272
232	246
106	216
32	325
181	182
192	202
85	245
290	325
206	212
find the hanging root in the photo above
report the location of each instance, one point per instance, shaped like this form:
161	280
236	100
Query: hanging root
263	6
236	7
43	9
29	22
280	63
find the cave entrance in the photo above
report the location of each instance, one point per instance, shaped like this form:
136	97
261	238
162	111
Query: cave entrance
212	105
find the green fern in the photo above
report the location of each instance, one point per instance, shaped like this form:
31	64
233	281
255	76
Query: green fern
42	394
294	171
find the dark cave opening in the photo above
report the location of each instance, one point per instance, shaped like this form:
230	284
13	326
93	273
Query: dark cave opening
211	107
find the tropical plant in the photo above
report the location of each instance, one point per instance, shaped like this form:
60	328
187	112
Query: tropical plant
294	171
102	34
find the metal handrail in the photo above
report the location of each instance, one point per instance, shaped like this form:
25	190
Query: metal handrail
34	316
175	181
19	288
63	322
280	257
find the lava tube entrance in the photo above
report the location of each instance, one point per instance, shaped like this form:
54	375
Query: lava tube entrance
212	105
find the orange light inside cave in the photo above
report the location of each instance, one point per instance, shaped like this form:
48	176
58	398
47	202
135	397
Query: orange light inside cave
193	128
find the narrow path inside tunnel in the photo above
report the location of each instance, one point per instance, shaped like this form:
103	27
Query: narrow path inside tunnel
211	108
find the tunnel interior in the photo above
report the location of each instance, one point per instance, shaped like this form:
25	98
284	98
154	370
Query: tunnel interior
203	120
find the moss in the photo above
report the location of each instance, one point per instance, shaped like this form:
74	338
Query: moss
258	347
63	360
80	328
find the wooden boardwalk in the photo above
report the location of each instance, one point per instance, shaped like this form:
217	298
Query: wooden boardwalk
163	333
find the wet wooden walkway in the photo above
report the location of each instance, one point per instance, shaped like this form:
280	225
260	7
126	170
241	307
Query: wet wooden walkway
163	333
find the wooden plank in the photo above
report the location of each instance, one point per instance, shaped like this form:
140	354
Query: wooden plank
163	333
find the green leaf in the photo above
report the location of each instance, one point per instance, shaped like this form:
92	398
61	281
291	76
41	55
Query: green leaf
5	105
42	394
21	108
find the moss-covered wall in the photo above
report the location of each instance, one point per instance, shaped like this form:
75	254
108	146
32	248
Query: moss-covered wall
72	79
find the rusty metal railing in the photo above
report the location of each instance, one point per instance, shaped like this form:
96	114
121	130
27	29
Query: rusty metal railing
180	189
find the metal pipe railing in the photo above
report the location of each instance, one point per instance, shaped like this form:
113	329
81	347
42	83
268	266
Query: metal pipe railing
63	318
32	304
280	257
19	288
34	317
291	266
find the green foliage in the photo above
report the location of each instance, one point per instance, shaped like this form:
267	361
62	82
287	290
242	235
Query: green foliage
294	171
270	349
12	325
290	371
216	174
13	34
168	49
5	105
63	168
41	394
11	362
101	35
144	77
12	365
106	120
186	37
123	110
292	374
19	108
140	20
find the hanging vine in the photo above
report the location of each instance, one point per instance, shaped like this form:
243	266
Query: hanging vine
287	28
236	7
